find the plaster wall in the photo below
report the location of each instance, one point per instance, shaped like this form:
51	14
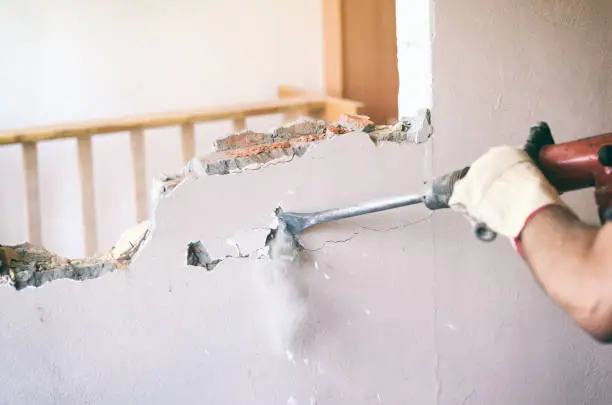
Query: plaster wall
403	307
161	332
498	67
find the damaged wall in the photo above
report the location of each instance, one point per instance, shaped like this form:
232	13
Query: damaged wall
69	60
499	67
247	331
401	307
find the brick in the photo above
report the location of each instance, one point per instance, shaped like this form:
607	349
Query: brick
310	138
257	149
299	128
246	148
356	122
242	140
332	130
224	162
246	139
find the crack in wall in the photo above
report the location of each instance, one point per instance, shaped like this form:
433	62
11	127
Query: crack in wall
198	256
369	229
25	265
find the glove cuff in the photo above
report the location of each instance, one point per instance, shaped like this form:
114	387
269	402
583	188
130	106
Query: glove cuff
517	240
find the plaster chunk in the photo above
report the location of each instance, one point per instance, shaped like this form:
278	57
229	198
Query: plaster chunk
26	265
416	129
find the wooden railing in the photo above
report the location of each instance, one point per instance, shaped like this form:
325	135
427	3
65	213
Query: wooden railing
291	103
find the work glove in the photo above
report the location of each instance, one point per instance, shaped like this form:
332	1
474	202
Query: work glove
503	189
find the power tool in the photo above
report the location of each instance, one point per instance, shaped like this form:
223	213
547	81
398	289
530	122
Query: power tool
569	166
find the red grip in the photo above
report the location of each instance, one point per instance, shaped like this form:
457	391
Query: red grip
576	165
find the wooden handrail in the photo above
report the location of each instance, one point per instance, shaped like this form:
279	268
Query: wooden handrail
334	106
105	126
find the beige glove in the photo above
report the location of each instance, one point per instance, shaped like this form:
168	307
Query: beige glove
503	189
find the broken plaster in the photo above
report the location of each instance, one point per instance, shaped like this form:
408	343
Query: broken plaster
26	265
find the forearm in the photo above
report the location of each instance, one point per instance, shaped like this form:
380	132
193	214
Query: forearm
571	262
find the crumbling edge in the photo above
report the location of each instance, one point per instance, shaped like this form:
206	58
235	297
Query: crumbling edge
26	265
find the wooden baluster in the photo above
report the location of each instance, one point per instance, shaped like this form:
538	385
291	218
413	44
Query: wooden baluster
317	113
88	194
296	113
289	116
188	141
335	108
139	173
302	112
30	165
239	124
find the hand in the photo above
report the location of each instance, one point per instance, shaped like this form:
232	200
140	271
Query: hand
503	189
572	261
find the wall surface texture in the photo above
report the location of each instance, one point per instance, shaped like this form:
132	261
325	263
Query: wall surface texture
69	60
401	307
499	67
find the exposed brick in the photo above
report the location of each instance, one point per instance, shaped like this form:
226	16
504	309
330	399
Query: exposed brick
246	148
287	132
299	128
224	162
356	122
332	130
257	149
242	140
310	138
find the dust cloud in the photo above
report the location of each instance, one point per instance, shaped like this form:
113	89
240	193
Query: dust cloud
281	291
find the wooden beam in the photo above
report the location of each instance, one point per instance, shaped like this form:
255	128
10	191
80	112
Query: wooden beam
337	107
289	116
370	45
188	145
30	165
156	120
334	106
296	92
302	112
239	124
88	194
332	47
137	143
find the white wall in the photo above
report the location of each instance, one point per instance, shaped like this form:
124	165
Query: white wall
414	34
418	312
67	60
499	66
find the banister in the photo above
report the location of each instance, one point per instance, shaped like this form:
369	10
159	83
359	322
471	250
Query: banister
144	121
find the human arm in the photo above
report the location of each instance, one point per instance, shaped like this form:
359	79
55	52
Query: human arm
570	260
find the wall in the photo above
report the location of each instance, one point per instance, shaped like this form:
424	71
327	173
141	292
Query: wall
402	307
70	60
350	322
498	67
